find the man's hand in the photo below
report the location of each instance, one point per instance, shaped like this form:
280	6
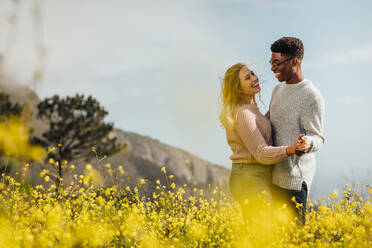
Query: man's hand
301	145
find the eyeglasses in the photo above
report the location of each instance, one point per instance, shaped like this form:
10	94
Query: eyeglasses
276	64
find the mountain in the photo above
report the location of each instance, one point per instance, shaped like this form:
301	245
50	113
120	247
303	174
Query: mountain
146	156
143	158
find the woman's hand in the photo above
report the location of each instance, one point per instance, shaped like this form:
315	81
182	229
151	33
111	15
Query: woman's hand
300	147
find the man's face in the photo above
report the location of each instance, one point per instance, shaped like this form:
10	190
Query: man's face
281	65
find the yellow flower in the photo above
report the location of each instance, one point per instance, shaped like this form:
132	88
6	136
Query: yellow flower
322	209
120	169
51	149
14	140
163	170
88	167
201	192
334	194
44	172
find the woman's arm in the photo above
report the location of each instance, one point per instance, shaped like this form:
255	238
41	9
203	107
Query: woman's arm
255	143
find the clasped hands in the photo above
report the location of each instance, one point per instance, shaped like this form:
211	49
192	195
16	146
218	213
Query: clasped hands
300	147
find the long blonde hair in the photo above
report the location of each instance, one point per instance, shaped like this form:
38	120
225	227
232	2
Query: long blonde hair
231	96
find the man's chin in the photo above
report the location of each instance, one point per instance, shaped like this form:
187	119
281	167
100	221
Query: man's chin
279	78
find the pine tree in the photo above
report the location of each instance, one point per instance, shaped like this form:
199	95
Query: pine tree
7	108
76	127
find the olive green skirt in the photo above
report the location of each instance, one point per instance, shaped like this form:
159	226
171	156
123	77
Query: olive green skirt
250	182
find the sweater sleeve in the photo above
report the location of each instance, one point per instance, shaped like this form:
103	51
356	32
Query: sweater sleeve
312	123
254	141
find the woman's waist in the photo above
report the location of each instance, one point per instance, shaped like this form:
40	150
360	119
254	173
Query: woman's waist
252	166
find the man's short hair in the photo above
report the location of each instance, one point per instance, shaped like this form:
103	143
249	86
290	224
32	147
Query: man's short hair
289	46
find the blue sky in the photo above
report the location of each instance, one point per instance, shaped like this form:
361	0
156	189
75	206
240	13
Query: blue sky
155	66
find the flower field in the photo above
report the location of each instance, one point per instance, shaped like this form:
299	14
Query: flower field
83	214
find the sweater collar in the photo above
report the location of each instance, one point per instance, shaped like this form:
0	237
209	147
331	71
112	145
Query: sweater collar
299	84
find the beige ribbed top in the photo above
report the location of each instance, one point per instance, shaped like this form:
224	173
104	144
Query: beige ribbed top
250	139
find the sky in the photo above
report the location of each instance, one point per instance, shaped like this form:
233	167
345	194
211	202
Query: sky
156	66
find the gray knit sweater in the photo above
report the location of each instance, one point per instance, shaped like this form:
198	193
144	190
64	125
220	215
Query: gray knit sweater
295	109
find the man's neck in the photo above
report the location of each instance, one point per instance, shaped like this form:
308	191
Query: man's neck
296	78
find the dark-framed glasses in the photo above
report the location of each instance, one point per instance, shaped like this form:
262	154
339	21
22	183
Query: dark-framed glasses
278	63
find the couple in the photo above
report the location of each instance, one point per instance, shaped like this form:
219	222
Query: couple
273	155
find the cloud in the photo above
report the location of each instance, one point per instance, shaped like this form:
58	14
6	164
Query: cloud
355	100
153	65
260	3
106	39
362	54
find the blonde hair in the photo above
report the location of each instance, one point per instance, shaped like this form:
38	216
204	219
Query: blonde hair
231	96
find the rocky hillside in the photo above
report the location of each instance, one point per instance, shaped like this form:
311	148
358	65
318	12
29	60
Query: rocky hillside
144	156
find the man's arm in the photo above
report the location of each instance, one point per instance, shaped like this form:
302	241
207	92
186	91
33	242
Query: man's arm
312	123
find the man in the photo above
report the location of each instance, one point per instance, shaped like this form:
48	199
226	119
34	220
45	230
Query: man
296	107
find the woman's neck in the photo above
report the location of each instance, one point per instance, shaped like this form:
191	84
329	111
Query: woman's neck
249	100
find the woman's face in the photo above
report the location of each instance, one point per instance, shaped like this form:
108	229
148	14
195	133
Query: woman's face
248	81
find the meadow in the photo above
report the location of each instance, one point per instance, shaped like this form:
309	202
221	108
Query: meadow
84	214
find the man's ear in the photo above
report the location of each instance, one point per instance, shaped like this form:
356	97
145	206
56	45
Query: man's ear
294	61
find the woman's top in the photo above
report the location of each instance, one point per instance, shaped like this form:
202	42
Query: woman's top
250	138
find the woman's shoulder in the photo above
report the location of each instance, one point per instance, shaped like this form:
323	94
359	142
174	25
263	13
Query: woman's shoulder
247	110
248	107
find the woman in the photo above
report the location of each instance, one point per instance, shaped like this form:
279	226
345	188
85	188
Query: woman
248	133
